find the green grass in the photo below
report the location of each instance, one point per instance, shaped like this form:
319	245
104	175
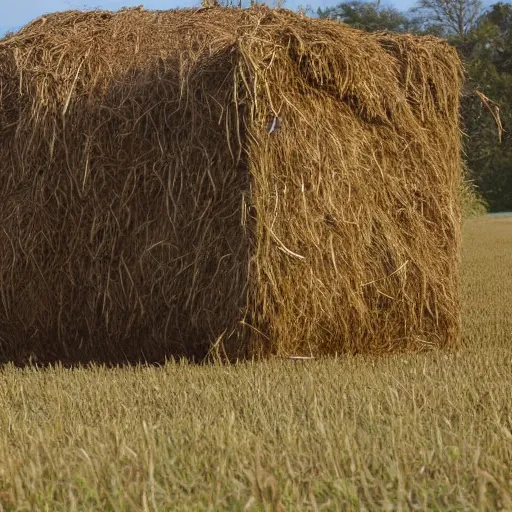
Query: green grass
410	432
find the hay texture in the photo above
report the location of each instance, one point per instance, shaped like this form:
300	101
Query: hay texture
249	180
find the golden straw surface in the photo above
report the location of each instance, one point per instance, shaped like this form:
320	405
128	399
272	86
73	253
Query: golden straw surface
245	179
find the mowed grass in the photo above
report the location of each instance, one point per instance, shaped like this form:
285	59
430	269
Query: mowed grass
410	432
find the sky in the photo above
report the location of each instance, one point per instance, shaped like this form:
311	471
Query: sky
16	13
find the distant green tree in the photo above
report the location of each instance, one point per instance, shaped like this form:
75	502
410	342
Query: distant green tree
488	57
367	16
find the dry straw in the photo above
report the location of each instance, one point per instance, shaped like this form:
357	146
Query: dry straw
245	179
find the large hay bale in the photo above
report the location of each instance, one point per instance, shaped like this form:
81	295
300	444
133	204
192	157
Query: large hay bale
147	210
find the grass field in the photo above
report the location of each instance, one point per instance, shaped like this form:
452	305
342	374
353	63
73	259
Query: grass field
416	432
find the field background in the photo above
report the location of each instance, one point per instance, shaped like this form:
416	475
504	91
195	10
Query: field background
410	432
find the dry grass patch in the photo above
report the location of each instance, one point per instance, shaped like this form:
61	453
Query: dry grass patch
487	282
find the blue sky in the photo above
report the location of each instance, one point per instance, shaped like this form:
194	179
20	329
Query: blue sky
16	13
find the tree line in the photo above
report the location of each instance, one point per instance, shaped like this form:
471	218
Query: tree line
483	39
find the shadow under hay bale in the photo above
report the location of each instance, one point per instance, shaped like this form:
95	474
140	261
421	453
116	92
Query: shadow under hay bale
148	210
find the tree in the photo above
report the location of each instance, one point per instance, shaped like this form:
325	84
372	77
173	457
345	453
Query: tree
498	22
367	16
488	58
448	18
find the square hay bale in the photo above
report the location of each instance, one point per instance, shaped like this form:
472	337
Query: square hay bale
250	180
